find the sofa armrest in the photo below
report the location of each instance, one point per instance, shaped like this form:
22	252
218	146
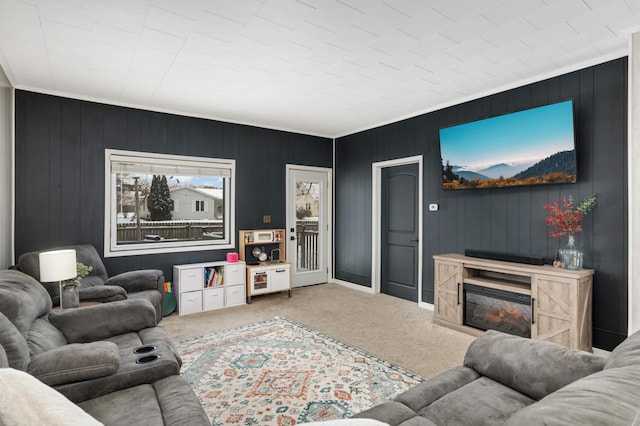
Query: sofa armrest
75	363
144	279
102	293
535	368
99	322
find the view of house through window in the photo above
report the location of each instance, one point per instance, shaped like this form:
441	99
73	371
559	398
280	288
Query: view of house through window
161	203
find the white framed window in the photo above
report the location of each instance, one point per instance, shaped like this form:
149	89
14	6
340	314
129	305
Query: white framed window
158	203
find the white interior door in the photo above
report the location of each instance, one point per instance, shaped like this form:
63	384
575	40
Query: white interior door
308	198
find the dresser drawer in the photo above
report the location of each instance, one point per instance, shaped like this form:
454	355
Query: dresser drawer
234	274
235	295
190	302
213	298
191	279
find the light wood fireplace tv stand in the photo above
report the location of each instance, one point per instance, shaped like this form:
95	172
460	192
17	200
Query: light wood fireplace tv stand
560	298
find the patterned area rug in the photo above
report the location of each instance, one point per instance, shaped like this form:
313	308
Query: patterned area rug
280	372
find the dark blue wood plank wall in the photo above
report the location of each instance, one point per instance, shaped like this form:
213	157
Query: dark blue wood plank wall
504	219
60	146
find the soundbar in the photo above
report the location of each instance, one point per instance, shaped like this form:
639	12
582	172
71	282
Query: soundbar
507	257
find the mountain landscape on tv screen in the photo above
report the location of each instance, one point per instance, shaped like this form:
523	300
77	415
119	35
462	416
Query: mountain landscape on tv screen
559	167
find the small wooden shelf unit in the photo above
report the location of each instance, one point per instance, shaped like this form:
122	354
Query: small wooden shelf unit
560	299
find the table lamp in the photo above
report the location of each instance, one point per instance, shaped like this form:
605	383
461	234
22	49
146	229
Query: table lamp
58	265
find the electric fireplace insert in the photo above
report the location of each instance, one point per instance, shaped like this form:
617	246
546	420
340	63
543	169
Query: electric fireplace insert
494	309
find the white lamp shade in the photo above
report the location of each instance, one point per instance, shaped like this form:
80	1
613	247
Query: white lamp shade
57	265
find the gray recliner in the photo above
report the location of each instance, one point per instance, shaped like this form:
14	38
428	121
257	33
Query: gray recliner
86	352
146	284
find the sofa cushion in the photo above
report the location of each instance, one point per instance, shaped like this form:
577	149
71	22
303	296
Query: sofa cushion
433	389
534	367
43	337
390	412
76	362
626	353
22	299
480	402
14	345
610	397
169	401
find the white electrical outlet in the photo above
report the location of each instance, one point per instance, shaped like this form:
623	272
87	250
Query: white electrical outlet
433	207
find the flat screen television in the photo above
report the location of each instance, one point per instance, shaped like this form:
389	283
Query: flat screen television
530	147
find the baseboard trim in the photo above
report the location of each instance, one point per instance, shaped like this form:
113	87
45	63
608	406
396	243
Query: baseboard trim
427	306
354	286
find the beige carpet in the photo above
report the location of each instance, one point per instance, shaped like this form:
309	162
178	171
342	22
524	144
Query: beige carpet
390	328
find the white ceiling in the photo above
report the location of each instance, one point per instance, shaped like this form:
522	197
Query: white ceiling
321	67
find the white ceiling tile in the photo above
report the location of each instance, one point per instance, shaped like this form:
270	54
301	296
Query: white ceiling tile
265	32
542	57
160	41
506	33
459	10
473	47
634	5
67	14
613	10
117	17
469	28
380	20
16	14
403	60
362	6
392	42
588	37
241	11
207	45
308	35
288	13
137	6
425	24
540	40
352	38
408	7
169	22
55	31
508	11
433	44
506	51
557	12
217	27
334	16
114	37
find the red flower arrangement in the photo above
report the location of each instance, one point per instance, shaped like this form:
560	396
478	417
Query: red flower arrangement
564	219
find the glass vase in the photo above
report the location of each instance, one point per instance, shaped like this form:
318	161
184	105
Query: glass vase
70	297
571	256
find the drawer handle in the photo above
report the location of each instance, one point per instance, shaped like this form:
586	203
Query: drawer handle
533	312
281	270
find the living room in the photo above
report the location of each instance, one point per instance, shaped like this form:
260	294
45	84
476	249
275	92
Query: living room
58	140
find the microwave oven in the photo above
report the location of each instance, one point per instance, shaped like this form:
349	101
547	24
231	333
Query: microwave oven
265	236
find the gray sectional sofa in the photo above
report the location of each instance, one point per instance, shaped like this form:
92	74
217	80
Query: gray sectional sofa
111	359
509	380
